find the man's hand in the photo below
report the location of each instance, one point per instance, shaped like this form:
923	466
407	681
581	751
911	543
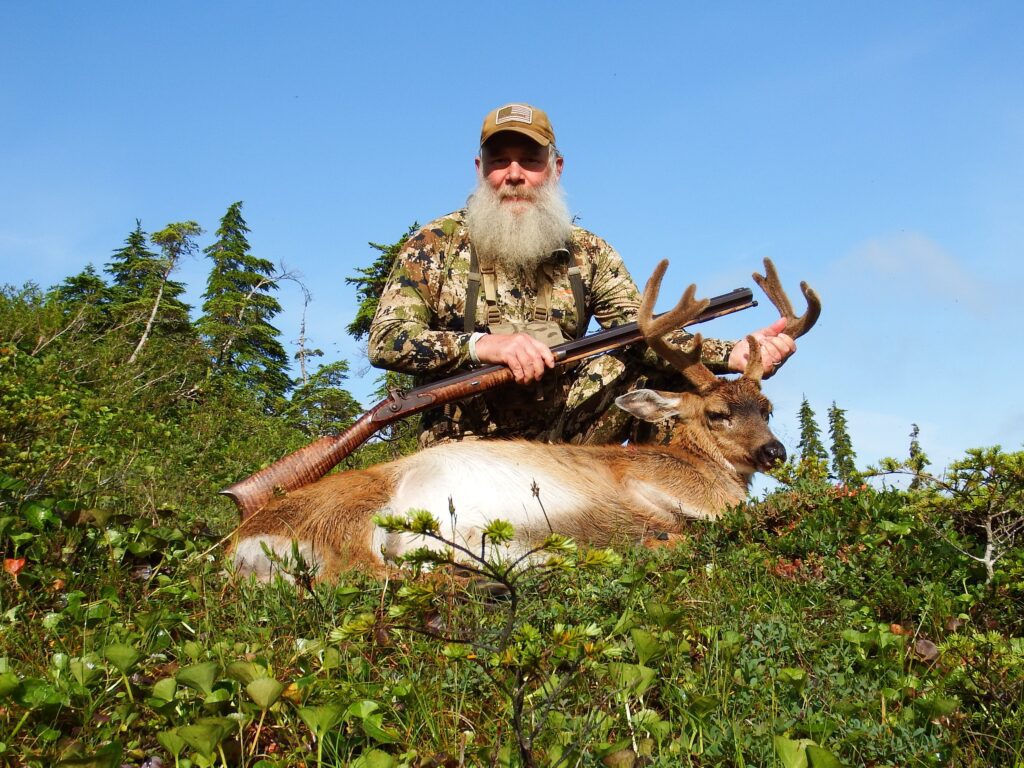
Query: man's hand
524	355
775	348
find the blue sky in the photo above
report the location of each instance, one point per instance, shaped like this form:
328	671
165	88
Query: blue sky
875	150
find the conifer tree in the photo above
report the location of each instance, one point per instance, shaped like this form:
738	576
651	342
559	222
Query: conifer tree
165	311
810	446
843	467
918	460
370	282
86	295
237	309
321	405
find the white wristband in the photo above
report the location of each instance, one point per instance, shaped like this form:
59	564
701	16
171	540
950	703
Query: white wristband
473	339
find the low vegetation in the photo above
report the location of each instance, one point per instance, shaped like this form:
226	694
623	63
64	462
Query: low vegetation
852	617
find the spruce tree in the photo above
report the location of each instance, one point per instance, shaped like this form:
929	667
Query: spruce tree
810	460
843	467
142	293
918	460
322	406
167	313
370	282
237	309
87	297
810	446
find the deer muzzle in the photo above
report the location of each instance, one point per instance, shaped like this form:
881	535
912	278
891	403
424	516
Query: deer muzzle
769	454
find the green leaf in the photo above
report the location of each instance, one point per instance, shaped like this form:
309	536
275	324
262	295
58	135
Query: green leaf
933	707
794	677
635	678
9	684
86	669
791	752
165	689
322	719
244	671
818	757
204	735
107	757
663	615
648	647
199	677
122	656
171	741
374	758
265	691
37	514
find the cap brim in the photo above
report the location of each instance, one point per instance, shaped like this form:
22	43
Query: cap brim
537	137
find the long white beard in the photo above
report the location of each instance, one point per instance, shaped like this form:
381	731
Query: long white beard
518	235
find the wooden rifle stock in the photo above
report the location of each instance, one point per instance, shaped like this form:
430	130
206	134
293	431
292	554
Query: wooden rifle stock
315	460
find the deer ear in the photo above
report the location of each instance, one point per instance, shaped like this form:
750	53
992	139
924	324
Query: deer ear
648	405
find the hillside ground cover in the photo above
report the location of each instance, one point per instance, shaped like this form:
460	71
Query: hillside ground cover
822	625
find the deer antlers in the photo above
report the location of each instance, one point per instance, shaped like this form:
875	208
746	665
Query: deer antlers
689	364
655	328
796	326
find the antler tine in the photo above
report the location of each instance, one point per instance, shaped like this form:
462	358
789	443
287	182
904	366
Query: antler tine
655	328
772	287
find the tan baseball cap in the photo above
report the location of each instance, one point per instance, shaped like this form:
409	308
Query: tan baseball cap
521	118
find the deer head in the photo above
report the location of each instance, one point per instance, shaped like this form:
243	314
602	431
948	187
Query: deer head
730	414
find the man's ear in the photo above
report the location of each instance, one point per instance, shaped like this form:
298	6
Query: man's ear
559	162
477	161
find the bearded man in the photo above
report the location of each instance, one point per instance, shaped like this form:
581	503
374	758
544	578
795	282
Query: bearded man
506	278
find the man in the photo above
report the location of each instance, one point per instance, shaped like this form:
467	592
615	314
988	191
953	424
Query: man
507	277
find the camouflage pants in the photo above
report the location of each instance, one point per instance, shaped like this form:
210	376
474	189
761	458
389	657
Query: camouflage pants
575	406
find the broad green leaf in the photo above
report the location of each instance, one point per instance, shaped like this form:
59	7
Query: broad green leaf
699	706
321	719
635	678
107	757
122	656
362	709
374	758
9	684
648	647
265	691
244	671
936	706
216	699
171	741
86	669
199	677
663	615
165	689
818	757
794	677
791	752
205	735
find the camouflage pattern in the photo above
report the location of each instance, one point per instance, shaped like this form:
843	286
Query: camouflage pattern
418	329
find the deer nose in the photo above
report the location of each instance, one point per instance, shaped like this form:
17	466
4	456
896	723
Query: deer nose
770	453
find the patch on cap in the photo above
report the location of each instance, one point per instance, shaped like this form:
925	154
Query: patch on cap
514	113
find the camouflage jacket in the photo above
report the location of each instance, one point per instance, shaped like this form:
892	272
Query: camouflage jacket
419	324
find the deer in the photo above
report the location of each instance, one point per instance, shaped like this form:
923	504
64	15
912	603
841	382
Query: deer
597	495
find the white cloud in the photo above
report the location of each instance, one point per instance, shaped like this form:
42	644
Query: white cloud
913	262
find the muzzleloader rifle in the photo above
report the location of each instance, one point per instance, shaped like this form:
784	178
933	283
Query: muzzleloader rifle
312	462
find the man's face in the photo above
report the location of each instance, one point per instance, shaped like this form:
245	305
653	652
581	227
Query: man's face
514	166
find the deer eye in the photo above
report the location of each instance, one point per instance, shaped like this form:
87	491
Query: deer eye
717	417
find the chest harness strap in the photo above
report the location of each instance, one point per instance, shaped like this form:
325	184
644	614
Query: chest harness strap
542	306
